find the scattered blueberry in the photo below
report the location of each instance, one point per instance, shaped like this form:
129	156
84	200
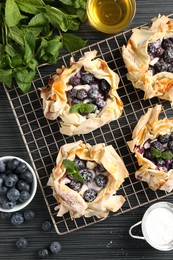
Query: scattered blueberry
90	195
55	247
75	185
2	167
5	215
12	164
101	180
26	176
46	225
24	196
22	242
7	204
43	253
87	174
29	214
13	194
17	219
82	94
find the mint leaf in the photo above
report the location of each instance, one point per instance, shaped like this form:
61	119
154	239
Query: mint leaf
82	108
167	155
17	35
6	76
29	42
30	6
156	153
71	168
72	42
17	60
12	13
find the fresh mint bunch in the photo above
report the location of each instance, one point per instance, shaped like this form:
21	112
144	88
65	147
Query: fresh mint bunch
34	32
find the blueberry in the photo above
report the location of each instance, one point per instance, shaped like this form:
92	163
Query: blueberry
43	253
87	174
159	51
23	186
101	180
1	181
2	167
21	242
170	145
104	86
101	168
79	163
72	93
7	204
5	215
12	164
46	225
75	101
100	102
24	196
148	155
161	66
74	81
55	247
17	219
75	185
163	138
10	180
168	55
2	198
167	43
3	190
93	93
26	176
82	94
157	145
13	194
170	67
90	195
151	49
88	79
160	162
3	175
29	214
20	168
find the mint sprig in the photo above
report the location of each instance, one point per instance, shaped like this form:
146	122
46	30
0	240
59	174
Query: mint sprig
167	155
82	108
72	169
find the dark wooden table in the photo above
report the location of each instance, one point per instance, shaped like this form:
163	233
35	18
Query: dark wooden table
108	239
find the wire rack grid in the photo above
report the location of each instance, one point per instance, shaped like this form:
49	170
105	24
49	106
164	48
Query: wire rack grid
43	139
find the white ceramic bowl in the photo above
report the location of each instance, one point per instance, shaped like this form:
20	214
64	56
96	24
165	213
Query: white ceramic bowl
21	205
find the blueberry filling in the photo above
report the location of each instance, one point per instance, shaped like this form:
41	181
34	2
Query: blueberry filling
162	52
94	91
159	151
95	179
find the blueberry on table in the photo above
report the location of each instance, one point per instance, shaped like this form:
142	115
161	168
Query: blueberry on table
46	225
29	214
5	215
2	167
12	164
75	185
21	242
93	93
55	247
87	78
26	176
101	180
79	163
43	253
13	194
90	195
24	196
164	138
20	168
82	94
87	174
17	219
7	204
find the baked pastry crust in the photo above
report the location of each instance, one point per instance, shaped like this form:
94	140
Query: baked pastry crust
55	100
137	60
149	127
72	201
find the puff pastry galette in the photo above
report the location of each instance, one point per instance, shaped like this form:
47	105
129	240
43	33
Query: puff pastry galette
84	96
153	147
148	57
86	178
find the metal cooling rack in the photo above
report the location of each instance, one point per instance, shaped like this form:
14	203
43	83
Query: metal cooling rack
43	139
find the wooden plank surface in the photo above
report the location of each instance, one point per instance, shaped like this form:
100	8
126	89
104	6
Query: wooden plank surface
108	239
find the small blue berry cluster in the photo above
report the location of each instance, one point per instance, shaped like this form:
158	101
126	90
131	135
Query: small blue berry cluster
15	183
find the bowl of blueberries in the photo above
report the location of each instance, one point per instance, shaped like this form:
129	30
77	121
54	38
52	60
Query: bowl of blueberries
18	183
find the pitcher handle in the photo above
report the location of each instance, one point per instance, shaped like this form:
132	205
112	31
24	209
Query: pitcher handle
130	231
